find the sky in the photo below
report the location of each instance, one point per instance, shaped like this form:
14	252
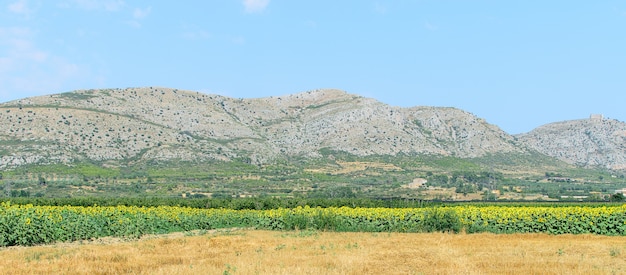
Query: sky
518	64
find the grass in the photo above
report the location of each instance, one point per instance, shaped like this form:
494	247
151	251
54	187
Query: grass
306	252
372	177
77	96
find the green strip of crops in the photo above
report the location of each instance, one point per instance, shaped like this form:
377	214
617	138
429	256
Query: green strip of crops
29	225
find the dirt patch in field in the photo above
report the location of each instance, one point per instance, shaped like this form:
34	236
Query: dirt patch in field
355	166
416	183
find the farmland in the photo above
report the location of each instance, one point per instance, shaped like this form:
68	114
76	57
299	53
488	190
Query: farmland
289	236
30	224
317	252
334	176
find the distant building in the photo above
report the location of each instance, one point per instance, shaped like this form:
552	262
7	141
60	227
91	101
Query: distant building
622	191
596	117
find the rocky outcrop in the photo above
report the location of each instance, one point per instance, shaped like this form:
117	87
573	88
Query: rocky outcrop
594	142
160	124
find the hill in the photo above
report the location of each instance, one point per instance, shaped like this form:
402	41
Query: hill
125	126
593	142
161	142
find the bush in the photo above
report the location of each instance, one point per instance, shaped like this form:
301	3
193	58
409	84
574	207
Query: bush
442	220
617	197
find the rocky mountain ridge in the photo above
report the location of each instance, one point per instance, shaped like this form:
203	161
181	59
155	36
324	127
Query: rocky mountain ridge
593	142
126	126
162	124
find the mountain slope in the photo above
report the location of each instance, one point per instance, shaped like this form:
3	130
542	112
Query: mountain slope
124	126
594	142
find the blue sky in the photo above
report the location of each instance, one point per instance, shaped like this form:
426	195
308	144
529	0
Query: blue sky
517	64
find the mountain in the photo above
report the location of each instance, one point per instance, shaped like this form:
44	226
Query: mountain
139	125
593	142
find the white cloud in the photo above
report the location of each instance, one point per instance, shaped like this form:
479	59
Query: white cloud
239	40
133	23
380	8
20	7
253	6
138	15
14	32
25	69
113	5
107	5
19	46
192	32
430	26
141	13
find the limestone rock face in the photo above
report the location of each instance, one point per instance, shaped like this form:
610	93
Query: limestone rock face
161	124
594	142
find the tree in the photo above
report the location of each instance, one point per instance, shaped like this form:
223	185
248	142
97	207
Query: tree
617	197
333	192
488	196
7	189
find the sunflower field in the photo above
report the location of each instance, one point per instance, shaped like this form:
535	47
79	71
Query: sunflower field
30	225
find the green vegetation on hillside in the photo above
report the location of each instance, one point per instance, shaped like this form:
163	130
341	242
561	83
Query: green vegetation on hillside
335	175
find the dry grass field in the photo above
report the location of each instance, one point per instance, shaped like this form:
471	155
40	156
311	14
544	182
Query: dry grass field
312	252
